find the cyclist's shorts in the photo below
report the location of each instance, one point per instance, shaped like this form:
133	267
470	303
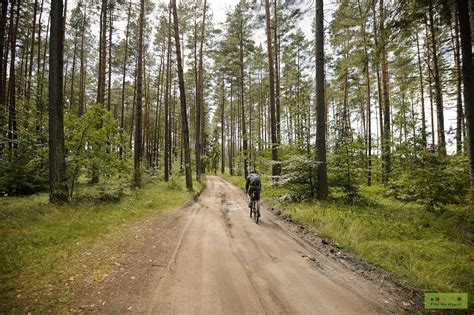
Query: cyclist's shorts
257	193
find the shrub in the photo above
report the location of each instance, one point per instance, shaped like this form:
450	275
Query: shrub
24	164
93	141
433	181
299	175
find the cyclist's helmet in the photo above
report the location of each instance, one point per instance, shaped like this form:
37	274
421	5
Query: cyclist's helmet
253	172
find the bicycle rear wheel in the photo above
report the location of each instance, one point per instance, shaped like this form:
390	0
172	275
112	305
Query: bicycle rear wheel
255	212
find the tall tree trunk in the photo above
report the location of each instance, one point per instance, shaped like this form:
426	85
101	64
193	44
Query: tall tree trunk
277	74
345	113
182	95
159	89
271	76
260	110
430	86
422	95
457	69
138	104
82	78
368	117
322	183
167	161
200	97
197	111
73	72
21	82
109	81
223	128
57	164
201	87
30	69
232	129
102	53
242	99
65	15
45	50
467	70
386	141
124	73
12	125
380	135
3	57
437	82
250	145
42	73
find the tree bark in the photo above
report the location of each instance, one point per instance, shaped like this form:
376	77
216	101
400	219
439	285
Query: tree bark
368	117
457	69
277	74
109	81
386	141
167	164
271	76
57	164
223	128
467	70
3	56
42	73
437	83
242	99
322	183
157	132
422	95
102	53
73	72
30	69
182	95
232	129
201	86
82	78
124	74
138	102
12	125
200	97
430	86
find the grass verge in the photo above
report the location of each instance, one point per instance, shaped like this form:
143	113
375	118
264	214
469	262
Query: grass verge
433	252
43	245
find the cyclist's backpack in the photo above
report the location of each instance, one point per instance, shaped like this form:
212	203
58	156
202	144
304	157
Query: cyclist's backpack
254	181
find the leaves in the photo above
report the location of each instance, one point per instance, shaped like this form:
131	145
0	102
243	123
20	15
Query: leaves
93	141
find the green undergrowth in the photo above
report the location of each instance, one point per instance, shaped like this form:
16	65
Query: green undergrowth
39	241
427	250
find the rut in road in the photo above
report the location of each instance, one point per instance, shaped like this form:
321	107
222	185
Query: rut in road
224	263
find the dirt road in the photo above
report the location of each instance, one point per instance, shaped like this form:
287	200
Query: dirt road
217	260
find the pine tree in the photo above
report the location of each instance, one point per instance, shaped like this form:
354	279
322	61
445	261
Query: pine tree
57	163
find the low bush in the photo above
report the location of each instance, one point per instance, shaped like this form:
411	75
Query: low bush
433	181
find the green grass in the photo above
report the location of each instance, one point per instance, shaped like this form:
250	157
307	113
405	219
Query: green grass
429	251
40	242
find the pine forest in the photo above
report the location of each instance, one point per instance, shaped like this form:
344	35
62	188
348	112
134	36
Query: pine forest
356	114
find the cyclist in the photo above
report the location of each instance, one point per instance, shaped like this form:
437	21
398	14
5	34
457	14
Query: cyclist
253	186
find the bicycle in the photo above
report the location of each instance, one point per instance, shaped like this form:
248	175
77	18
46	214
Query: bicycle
253	209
